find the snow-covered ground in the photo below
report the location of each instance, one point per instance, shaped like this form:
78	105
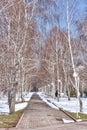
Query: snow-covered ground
72	105
4	108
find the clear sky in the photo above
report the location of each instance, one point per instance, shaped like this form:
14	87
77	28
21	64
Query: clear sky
82	6
78	14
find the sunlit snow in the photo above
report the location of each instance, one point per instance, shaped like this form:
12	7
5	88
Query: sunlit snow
72	105
4	108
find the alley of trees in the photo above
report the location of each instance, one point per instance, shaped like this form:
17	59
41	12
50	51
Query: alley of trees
42	43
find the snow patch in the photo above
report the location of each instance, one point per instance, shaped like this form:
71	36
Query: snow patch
4	108
69	105
67	121
20	106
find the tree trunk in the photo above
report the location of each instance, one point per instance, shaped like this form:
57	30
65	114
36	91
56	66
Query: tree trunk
80	103
68	90
11	100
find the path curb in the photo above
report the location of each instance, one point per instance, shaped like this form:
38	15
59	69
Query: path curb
19	120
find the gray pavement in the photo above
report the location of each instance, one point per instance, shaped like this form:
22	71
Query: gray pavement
38	115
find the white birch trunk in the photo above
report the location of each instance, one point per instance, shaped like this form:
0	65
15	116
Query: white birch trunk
71	54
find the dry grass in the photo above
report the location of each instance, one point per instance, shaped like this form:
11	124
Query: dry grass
80	115
7	121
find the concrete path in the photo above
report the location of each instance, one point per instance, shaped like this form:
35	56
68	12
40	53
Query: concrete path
39	116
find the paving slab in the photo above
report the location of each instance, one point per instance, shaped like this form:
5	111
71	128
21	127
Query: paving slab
73	126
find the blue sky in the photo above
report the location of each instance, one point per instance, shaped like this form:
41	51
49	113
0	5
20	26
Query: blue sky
82	7
78	15
82	4
60	11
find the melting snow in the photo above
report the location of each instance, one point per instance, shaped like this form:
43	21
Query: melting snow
67	121
72	105
4	108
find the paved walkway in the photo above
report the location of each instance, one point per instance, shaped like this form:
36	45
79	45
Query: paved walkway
39	116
